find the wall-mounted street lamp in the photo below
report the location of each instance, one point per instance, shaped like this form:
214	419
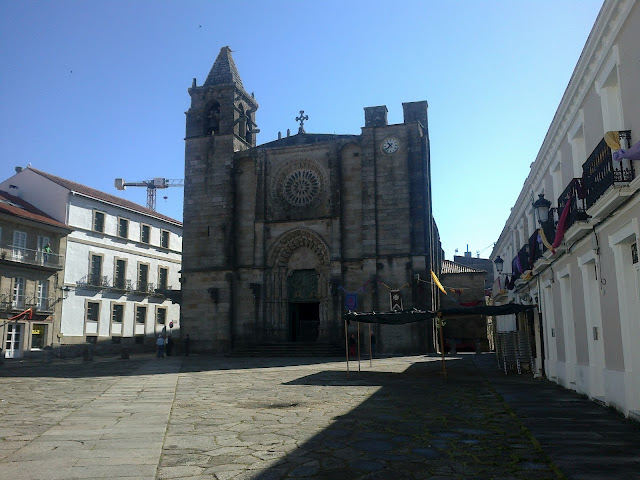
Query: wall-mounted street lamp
542	207
499	264
65	291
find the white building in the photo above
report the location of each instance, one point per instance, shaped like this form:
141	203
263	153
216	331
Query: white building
588	292
121	258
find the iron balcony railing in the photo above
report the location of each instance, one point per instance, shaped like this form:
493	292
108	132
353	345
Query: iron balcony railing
144	287
119	285
16	302
15	253
122	284
577	207
600	171
536	248
160	289
520	262
41	304
93	281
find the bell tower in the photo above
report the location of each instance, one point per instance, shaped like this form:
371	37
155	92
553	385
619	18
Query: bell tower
221	106
219	122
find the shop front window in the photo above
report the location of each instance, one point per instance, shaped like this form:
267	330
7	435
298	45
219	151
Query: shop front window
38	336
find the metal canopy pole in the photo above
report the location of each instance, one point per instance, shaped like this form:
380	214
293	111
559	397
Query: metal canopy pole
444	368
370	353
346	345
358	346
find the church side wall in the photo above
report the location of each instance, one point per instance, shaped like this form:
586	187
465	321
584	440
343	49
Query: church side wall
351	196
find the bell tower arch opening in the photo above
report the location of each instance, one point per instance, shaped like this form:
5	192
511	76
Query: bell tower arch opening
212	119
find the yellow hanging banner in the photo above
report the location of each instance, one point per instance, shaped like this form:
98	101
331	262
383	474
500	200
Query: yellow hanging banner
612	139
437	282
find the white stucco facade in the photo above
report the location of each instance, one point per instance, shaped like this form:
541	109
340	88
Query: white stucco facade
587	320
120	262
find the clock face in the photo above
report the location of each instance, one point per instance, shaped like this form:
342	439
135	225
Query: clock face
390	145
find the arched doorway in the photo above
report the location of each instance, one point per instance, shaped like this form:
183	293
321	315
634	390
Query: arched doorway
304	306
297	289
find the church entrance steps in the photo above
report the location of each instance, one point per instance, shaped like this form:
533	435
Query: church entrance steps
289	349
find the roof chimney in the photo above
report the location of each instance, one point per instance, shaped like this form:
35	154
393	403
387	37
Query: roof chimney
375	116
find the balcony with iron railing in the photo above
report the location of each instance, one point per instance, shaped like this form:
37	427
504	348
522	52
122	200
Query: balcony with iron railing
121	285
161	290
575	195
39	258
143	287
520	262
8	302
41	304
600	172
536	248
93	281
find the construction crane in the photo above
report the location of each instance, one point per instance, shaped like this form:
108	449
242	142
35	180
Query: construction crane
152	185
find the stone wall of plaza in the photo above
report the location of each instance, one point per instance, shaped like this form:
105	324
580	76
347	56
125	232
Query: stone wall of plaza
588	291
275	235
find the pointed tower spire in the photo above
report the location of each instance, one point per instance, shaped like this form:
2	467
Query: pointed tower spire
224	70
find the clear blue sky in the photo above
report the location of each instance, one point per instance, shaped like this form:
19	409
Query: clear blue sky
94	90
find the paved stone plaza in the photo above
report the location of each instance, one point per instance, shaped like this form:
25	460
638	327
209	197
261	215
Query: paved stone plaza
245	418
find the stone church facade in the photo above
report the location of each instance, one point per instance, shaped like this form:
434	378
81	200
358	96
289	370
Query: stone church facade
276	235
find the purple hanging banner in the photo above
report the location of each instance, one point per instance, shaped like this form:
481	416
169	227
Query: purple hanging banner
351	301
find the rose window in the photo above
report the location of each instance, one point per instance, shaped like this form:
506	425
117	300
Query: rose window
301	187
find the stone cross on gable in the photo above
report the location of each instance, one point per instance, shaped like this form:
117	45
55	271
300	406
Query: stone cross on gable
301	119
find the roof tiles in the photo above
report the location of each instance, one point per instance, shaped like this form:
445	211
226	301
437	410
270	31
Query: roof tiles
105	197
15	206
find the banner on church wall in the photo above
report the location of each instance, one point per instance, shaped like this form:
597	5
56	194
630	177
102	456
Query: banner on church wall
351	301
395	298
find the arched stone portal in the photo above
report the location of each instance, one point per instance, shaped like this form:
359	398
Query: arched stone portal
297	288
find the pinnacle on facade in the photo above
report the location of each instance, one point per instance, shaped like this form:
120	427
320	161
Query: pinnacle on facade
224	70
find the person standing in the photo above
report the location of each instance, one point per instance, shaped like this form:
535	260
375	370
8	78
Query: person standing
186	345
169	345
47	252
160	345
352	345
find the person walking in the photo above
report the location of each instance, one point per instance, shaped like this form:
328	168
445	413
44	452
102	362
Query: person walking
160	345
186	345
169	346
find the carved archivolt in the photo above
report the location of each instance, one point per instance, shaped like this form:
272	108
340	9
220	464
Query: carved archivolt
290	241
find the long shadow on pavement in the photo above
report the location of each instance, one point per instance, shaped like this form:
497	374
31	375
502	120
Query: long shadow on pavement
416	426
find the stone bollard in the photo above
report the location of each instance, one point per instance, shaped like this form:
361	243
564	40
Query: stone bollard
452	347
478	347
124	353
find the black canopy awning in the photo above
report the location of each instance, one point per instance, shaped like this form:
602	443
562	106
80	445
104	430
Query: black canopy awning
410	316
491	310
399	317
